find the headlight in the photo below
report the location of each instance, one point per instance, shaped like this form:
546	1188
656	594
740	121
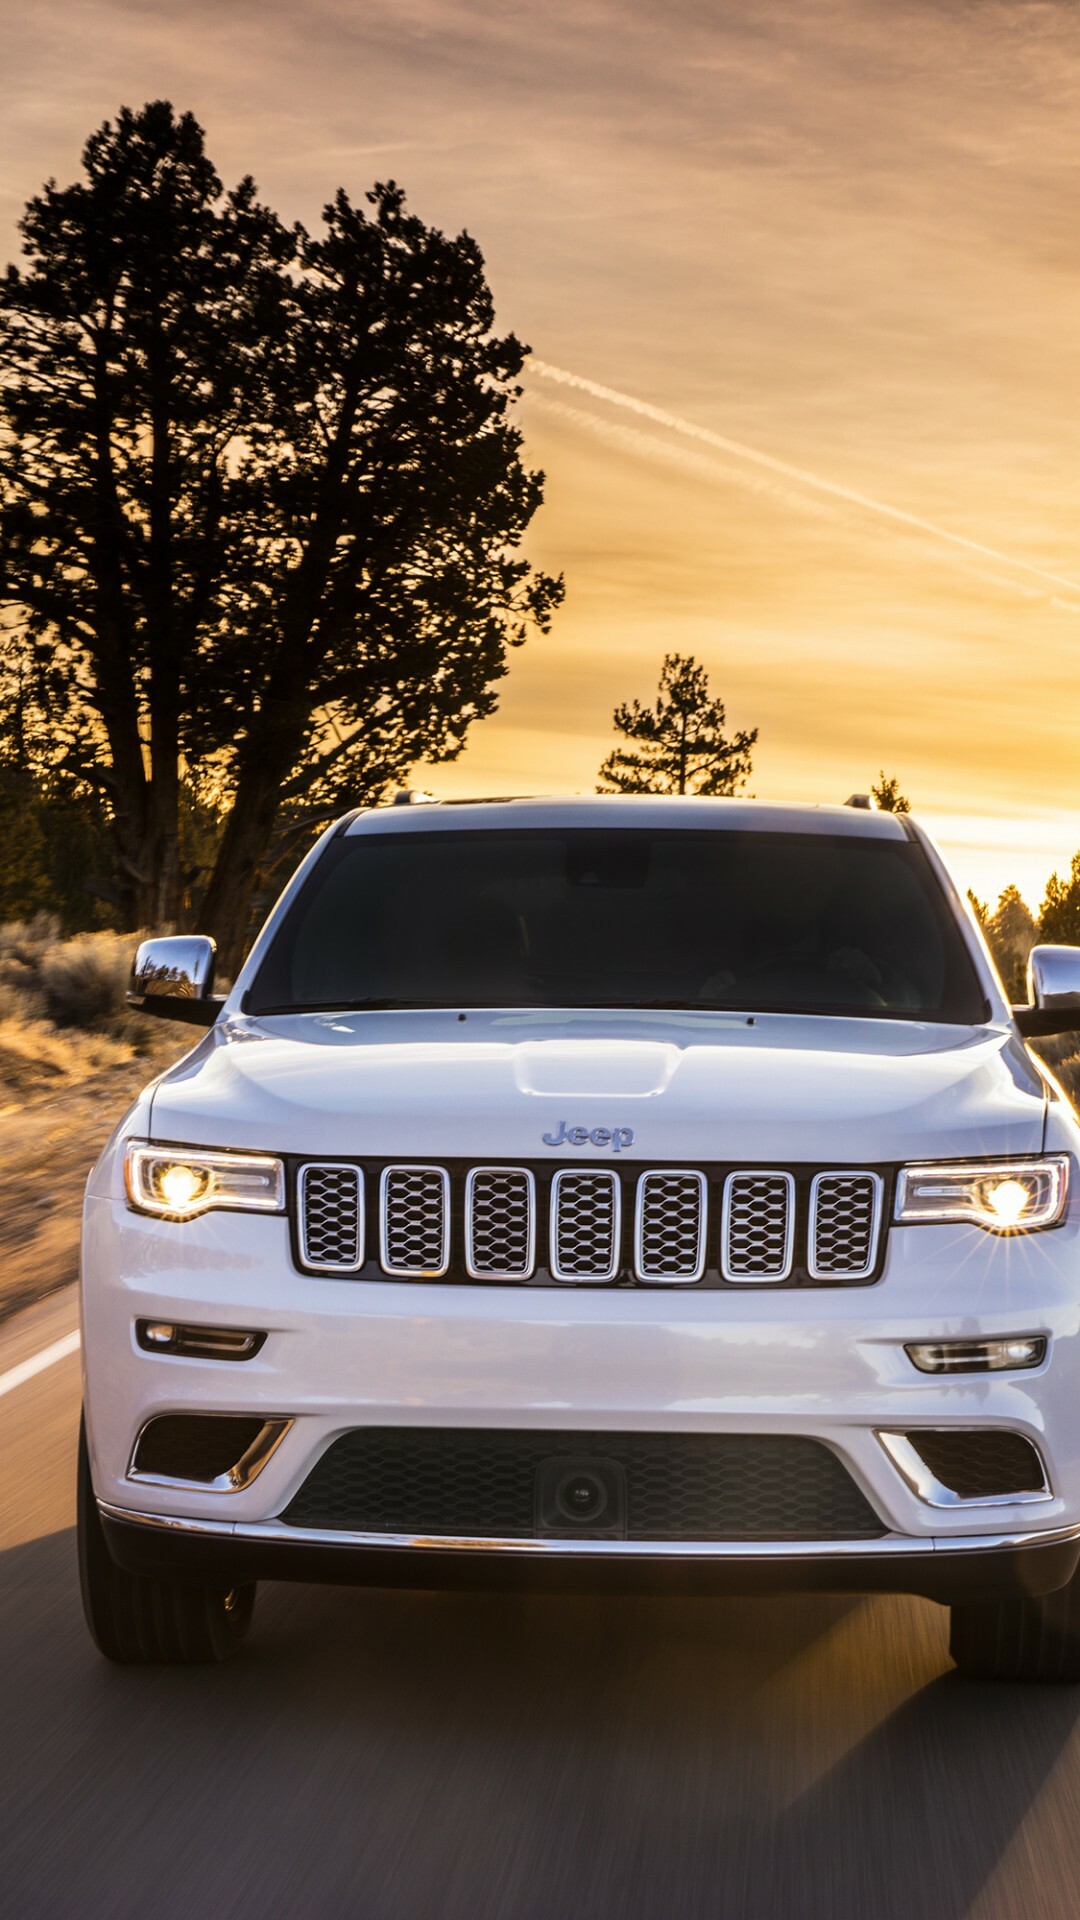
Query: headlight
176	1185
1004	1196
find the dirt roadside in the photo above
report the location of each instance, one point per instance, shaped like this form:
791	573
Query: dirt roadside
48	1143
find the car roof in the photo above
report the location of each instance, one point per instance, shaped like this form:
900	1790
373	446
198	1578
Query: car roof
420	815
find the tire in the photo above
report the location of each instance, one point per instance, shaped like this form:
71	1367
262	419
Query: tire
1033	1639
143	1622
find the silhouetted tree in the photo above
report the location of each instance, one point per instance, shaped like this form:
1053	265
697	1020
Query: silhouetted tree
260	506
1012	932
680	742
1059	921
888	795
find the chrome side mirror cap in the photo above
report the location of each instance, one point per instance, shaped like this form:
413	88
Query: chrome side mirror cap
1053	975
173	977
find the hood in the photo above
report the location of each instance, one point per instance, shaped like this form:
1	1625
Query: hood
668	1087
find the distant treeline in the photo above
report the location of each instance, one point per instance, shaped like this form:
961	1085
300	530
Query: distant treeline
58	852
1012	929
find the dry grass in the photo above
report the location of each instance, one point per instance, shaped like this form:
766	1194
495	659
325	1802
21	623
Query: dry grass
63	1017
35	1057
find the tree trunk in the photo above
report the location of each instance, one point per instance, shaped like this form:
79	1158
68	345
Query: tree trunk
281	726
226	911
163	693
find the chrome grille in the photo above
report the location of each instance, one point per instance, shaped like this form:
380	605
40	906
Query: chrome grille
500	1223
584	1226
415	1221
670	1232
331	1218
758	1227
483	1223
844	1212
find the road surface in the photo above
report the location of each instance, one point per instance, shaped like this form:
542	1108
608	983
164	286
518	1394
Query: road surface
385	1756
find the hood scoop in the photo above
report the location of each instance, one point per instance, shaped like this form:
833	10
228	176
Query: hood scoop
620	1069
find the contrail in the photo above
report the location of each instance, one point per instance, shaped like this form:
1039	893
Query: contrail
690	461
675	424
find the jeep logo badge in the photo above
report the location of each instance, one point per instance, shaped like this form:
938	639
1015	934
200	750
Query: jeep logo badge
614	1137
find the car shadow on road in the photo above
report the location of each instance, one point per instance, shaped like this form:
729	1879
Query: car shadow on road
390	1755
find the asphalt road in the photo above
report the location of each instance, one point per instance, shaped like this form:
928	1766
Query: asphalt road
391	1756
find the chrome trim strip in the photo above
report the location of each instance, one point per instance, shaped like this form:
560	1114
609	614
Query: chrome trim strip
914	1471
884	1546
415	1273
671	1173
331	1166
246	1469
490	1273
588	1173
758	1279
845	1273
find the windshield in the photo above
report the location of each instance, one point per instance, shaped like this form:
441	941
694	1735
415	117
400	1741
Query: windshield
578	917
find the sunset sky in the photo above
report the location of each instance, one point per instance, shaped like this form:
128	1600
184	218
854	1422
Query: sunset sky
837	235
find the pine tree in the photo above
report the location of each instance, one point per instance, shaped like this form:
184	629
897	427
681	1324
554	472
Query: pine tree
888	795
680	742
1012	933
1059	921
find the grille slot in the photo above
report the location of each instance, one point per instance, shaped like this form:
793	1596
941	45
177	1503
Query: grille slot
415	1221
758	1229
585	1222
500	1223
845	1211
980	1463
481	1484
670	1228
331	1218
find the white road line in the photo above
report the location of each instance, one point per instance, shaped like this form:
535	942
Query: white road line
38	1362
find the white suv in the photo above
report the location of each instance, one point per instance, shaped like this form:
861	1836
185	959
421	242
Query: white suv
594	1193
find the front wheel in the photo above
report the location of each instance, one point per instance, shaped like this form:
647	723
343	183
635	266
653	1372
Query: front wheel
144	1622
1030	1639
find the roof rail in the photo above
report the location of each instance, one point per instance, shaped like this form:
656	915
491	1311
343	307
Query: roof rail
865	801
411	797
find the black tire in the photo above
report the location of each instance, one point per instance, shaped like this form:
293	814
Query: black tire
1034	1639
143	1622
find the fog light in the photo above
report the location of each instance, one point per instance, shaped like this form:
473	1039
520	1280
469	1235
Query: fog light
198	1343
978	1356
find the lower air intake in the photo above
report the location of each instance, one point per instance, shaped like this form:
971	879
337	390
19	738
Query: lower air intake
200	1447
482	1484
980	1463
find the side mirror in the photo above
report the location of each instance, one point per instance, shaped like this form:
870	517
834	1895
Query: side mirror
1054	992
173	977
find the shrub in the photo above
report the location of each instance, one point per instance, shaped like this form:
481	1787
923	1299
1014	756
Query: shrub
83	981
23	946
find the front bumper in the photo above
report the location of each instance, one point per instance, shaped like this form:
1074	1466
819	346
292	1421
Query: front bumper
981	1568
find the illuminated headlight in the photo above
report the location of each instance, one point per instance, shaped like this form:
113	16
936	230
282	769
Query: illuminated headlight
1004	1196
177	1185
